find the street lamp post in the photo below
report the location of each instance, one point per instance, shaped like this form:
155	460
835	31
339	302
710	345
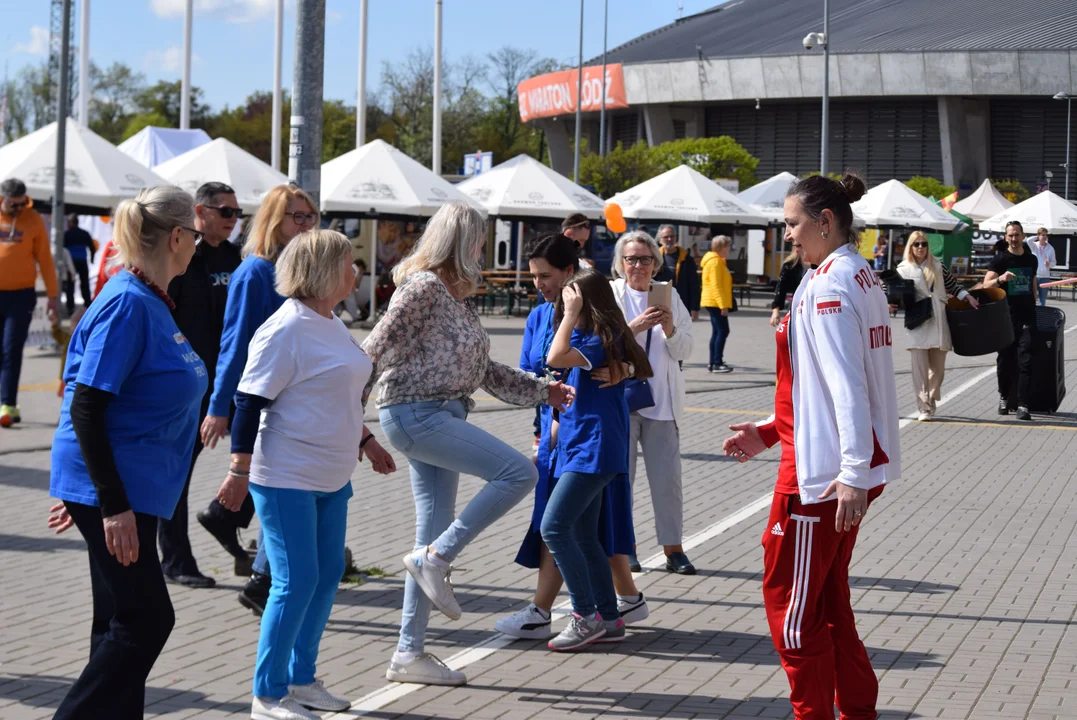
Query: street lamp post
579	103
1066	165
823	40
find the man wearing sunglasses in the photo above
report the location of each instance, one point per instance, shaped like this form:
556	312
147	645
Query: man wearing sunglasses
24	249
200	295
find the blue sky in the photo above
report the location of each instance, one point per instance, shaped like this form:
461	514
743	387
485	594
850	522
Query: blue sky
233	39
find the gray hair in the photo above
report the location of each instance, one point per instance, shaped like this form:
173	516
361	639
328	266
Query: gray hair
663	227
721	242
448	245
636	236
141	227
312	264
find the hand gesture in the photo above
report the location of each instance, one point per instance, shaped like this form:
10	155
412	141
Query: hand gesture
573	300
1005	277
973	302
59	518
381	461
53	311
746	444
121	537
646	320
610	375
561	396
852	504
233	492
666	320
213	429
774	319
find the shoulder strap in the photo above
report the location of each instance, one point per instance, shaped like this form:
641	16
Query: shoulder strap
648	348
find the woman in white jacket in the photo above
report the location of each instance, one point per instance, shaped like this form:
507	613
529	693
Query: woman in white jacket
930	341
836	417
666	335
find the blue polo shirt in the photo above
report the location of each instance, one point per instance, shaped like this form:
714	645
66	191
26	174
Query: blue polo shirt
128	344
593	437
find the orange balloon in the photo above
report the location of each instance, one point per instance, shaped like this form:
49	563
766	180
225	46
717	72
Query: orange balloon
615	219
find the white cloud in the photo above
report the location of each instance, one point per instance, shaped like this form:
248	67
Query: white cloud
38	44
169	60
238	11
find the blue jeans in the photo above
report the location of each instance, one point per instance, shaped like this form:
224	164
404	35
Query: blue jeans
1043	291
16	311
719	333
570	531
440	444
303	533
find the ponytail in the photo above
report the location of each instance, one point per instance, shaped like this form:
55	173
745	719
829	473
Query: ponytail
141	226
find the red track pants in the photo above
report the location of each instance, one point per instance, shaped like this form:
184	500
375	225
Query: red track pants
806	594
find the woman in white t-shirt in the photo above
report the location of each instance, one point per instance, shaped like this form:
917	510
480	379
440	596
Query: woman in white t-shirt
297	435
666	335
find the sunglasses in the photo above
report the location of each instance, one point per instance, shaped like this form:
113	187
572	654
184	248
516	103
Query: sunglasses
302	218
18	206
919	244
226	212
198	236
641	260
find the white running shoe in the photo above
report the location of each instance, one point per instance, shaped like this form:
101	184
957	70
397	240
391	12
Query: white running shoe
434	582
633	611
316	697
924	417
531	623
424	669
286	708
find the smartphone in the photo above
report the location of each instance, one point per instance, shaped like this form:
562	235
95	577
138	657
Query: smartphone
660	294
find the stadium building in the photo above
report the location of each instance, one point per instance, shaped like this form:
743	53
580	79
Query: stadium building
959	90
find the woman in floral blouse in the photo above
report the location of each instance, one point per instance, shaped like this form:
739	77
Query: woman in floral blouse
430	354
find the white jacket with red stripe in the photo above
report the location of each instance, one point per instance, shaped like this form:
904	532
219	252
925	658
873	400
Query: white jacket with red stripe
845	412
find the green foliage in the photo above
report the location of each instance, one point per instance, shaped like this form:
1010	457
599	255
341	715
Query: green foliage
929	187
1012	190
622	168
135	123
832	175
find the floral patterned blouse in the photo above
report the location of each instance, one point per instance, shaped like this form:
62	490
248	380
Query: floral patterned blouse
431	347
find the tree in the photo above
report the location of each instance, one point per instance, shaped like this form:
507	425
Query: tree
929	187
114	92
139	121
164	97
1012	190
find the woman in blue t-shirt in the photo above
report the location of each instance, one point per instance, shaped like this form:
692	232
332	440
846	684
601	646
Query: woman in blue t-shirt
552	261
123	446
592	450
286	211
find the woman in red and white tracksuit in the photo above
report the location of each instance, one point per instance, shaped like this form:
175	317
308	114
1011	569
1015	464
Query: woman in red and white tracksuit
836	416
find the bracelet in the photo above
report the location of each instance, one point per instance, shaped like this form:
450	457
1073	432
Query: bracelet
239	473
365	440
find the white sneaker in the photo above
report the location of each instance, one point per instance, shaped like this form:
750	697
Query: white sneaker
527	624
633	611
316	697
424	669
286	708
924	417
434	582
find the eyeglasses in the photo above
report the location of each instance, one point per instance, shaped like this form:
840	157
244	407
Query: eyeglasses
19	205
302	218
198	236
919	244
641	260
226	212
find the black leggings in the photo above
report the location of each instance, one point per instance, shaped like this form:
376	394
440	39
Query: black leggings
132	619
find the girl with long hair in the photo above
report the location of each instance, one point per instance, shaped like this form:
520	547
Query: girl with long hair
592	450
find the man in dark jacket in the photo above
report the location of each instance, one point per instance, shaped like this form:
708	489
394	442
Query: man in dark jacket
200	295
79	243
680	269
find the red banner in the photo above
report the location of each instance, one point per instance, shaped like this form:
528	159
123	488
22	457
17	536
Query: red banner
555	93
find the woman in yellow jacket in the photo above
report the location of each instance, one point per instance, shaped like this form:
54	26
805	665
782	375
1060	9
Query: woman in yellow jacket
718	299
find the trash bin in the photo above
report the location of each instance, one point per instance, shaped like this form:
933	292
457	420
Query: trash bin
983	331
1047	387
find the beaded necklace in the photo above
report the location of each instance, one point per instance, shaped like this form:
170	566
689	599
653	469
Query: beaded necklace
153	286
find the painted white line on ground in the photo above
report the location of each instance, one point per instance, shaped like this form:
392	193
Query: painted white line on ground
392	692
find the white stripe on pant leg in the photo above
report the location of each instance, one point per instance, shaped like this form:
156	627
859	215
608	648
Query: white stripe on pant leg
808	523
794	593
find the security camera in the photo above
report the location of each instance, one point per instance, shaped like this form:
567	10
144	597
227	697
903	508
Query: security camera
809	41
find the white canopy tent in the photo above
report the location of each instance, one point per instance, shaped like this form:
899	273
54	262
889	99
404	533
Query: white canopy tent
684	195
986	202
97	176
895	205
525	188
1046	210
222	161
152	146
768	197
378	180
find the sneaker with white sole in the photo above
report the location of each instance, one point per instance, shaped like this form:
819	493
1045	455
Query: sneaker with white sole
424	669
580	632
633	611
531	623
286	708
615	631
316	697
434	582
924	417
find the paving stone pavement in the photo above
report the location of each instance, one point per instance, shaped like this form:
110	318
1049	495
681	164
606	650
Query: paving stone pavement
964	580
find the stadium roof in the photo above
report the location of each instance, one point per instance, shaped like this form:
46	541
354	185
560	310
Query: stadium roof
751	28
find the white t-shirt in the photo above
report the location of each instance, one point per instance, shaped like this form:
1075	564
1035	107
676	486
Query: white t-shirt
313	372
1046	257
635	305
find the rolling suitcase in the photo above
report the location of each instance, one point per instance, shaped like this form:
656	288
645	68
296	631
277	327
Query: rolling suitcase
1048	385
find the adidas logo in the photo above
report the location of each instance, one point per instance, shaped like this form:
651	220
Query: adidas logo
777	529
